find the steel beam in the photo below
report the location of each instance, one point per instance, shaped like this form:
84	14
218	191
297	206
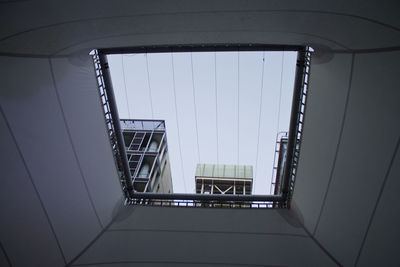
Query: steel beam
116	122
199	48
292	138
208	197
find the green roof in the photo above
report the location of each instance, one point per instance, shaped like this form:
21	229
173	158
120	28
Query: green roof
224	171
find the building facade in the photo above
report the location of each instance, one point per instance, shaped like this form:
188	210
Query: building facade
147	152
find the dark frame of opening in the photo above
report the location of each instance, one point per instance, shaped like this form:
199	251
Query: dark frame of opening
282	199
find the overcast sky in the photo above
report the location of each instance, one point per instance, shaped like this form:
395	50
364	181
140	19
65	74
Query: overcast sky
233	97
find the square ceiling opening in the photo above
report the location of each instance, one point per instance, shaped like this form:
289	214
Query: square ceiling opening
233	117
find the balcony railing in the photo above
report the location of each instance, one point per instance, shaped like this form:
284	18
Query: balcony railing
148	125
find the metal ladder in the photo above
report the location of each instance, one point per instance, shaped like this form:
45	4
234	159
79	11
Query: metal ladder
133	163
137	141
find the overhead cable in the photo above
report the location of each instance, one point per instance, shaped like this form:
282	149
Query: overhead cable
238	107
148	83
216	102
177	120
259	119
126	91
195	109
280	93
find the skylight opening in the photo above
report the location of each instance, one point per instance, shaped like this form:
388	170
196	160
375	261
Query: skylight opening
223	113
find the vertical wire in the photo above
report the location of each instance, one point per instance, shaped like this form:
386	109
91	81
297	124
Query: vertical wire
195	109
280	94
238	106
216	102
259	119
148	83
126	91
177	120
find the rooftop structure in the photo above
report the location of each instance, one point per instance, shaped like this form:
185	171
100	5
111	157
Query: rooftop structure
281	147
224	179
147	153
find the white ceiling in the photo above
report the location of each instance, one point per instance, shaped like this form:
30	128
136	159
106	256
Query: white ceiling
354	150
210	236
60	188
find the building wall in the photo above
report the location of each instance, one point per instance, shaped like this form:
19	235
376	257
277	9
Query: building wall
158	181
165	183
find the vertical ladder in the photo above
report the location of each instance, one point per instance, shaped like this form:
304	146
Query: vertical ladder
137	141
133	163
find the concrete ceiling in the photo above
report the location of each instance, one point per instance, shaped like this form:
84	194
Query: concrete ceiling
60	198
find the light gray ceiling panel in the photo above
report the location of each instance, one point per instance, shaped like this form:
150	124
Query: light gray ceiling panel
4	261
29	24
370	133
194	219
79	96
329	84
212	248
32	109
173	264
25	233
31	14
381	246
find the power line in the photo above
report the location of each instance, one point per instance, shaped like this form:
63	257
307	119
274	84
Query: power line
280	93
259	118
238	105
148	82
124	79
216	102
177	121
195	109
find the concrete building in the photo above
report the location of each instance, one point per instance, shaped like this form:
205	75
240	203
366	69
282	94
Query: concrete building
147	152
279	161
60	195
224	179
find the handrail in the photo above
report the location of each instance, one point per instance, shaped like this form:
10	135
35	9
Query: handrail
117	127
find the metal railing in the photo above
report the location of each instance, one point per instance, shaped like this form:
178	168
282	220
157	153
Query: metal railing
153	125
110	125
298	117
198	200
203	204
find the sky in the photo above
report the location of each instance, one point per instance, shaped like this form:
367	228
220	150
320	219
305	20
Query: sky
218	107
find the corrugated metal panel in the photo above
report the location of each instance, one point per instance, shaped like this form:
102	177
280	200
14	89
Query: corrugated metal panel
224	171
